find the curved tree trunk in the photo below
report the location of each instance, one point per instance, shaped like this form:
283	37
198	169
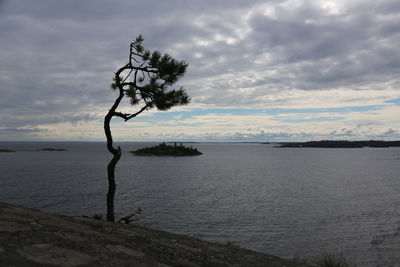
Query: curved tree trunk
111	167
112	186
116	156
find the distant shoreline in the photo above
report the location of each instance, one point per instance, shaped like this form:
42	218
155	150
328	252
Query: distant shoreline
292	143
342	144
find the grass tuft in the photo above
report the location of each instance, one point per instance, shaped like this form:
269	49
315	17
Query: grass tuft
98	216
330	260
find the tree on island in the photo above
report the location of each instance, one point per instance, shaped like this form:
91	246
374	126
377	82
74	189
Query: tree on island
164	149
145	80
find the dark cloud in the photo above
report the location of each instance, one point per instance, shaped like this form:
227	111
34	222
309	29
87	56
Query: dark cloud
32	120
22	130
18	133
325	52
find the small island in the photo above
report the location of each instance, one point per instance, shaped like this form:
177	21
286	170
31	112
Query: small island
7	150
51	149
164	149
343	144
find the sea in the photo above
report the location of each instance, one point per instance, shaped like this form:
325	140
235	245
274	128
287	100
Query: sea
296	203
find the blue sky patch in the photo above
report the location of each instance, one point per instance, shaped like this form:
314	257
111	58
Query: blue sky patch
395	101
187	114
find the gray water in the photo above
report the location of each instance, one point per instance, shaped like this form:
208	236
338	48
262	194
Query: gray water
289	202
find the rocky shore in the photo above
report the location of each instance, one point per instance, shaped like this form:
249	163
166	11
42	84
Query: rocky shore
32	238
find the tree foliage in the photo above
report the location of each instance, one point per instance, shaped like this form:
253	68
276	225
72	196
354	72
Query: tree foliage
149	76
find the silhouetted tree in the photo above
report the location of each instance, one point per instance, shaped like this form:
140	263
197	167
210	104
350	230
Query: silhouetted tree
145	80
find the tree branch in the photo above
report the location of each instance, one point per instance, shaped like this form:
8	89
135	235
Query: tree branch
137	113
131	84
128	116
129	218
127	75
121	115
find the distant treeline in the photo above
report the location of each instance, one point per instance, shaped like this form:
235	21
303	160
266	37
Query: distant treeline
343	144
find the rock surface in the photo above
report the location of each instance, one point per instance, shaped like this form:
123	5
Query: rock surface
32	238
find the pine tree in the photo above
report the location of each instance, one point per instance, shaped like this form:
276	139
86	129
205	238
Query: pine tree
146	80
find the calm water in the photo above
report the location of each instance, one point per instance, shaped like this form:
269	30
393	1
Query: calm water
288	202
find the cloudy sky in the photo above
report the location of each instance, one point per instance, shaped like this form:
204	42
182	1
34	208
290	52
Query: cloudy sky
258	70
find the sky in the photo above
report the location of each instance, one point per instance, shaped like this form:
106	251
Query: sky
264	71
